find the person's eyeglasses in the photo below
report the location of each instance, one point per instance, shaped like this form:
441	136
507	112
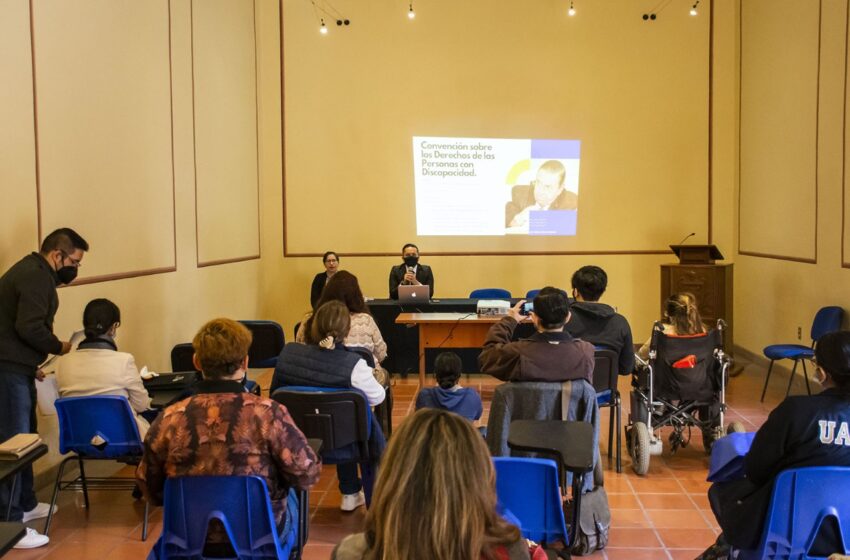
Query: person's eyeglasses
74	262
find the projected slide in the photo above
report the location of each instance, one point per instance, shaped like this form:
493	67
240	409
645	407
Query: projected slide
495	186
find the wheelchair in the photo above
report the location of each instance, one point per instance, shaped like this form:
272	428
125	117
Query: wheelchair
682	386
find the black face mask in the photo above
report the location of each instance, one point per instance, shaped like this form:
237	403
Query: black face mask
411	261
67	274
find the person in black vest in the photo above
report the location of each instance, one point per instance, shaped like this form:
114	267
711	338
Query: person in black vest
803	431
410	273
28	304
324	362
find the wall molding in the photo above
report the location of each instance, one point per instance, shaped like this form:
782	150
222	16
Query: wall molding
764	255
292	254
229	260
844	262
118	275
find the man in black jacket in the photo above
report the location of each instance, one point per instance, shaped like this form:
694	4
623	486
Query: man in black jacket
410	273
596	322
28	304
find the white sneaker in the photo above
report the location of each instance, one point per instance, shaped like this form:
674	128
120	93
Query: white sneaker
39	511
33	539
350	502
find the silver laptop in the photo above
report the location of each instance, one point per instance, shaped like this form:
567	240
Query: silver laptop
414	294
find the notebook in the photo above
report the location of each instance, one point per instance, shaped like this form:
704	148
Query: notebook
18	445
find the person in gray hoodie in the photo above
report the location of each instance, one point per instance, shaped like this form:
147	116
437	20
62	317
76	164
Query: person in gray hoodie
599	323
449	395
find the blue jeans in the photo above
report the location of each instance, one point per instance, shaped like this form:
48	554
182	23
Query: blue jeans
349	482
17	416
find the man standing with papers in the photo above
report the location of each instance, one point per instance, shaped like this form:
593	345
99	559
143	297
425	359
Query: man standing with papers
28	304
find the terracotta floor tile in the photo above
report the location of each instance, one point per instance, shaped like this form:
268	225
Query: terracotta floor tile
666	501
655	485
677	519
317	551
639	538
629	518
636	554
685	554
623	501
687	538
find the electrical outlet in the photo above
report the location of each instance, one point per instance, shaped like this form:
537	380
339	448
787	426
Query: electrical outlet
799	333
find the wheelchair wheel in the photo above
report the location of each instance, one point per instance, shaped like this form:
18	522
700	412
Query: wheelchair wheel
734	427
639	448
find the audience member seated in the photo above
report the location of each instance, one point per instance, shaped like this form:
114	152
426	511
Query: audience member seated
411	273
551	354
596	322
803	431
324	362
331	262
436	498
681	318
364	332
96	367
449	395
222	430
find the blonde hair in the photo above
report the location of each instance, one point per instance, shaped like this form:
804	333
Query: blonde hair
682	312
331	319
553	167
435	498
220	346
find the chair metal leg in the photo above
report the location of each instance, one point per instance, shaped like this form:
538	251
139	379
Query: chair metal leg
791	378
619	435
84	483
806	377
55	493
766	379
611	431
12	489
578	485
145	522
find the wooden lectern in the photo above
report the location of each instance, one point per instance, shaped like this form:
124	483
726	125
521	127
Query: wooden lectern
697	273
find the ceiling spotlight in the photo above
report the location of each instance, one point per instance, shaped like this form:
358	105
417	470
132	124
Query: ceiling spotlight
694	8
410	13
572	10
323	29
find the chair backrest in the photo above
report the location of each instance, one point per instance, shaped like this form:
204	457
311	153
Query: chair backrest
806	502
531	294
827	320
268	341
99	427
605	365
181	357
341	418
528	489
673	377
490	293
242	505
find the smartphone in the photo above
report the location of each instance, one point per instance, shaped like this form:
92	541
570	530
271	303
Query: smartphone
527	307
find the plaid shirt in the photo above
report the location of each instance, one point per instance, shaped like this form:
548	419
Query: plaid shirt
225	431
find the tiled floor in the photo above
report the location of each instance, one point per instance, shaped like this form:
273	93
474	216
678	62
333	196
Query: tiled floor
663	515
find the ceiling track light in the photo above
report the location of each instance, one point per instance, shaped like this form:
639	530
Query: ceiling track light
410	13
694	11
572	11
323	29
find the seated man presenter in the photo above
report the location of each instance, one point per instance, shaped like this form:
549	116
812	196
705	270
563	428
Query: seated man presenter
410	273
546	193
596	322
551	354
222	430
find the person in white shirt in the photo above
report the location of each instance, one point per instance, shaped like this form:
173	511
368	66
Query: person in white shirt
96	367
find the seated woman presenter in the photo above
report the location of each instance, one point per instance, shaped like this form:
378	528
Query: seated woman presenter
681	318
803	431
364	332
96	367
331	262
436	466
324	362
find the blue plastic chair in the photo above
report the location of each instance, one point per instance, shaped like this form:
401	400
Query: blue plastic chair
96	429
531	294
804	500
827	320
528	490
490	293
605	377
242	505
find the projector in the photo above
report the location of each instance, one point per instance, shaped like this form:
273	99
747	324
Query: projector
493	307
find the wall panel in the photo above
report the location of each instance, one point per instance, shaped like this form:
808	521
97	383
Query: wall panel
103	105
225	101
779	129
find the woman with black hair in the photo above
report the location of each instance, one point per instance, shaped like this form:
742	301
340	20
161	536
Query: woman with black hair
96	367
803	431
